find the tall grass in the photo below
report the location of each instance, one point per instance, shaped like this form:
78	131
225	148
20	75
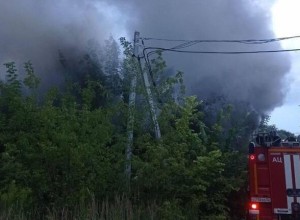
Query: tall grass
120	208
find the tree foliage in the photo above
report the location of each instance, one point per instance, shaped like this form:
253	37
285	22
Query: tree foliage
68	150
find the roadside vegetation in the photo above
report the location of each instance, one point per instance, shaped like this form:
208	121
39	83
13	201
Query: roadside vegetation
63	151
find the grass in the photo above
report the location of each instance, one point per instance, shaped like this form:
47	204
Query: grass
121	208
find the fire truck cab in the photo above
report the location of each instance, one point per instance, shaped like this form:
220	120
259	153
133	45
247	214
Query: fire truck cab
274	178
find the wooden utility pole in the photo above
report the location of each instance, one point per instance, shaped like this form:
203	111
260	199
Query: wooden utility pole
131	106
132	97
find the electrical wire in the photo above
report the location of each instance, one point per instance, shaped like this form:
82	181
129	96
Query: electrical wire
254	41
189	43
216	52
148	65
147	55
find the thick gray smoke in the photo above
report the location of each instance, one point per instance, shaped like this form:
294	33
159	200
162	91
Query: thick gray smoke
257	78
36	30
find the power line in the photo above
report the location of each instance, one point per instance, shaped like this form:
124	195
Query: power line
217	52
155	49
148	65
189	43
247	41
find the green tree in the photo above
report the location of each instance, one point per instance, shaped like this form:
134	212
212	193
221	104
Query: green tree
56	155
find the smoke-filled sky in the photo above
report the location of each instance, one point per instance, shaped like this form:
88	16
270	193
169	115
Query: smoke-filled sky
257	78
35	30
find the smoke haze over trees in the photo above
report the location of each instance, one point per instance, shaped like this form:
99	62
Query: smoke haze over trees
36	30
63	151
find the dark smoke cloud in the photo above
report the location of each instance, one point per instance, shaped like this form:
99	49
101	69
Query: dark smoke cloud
258	79
36	30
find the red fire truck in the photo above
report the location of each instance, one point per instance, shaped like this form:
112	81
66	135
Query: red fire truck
274	178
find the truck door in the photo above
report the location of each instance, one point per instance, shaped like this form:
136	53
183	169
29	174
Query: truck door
285	180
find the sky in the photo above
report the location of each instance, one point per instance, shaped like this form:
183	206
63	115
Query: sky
285	18
36	30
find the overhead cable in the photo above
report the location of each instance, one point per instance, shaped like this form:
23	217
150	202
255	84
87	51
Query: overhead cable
218	52
247	41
